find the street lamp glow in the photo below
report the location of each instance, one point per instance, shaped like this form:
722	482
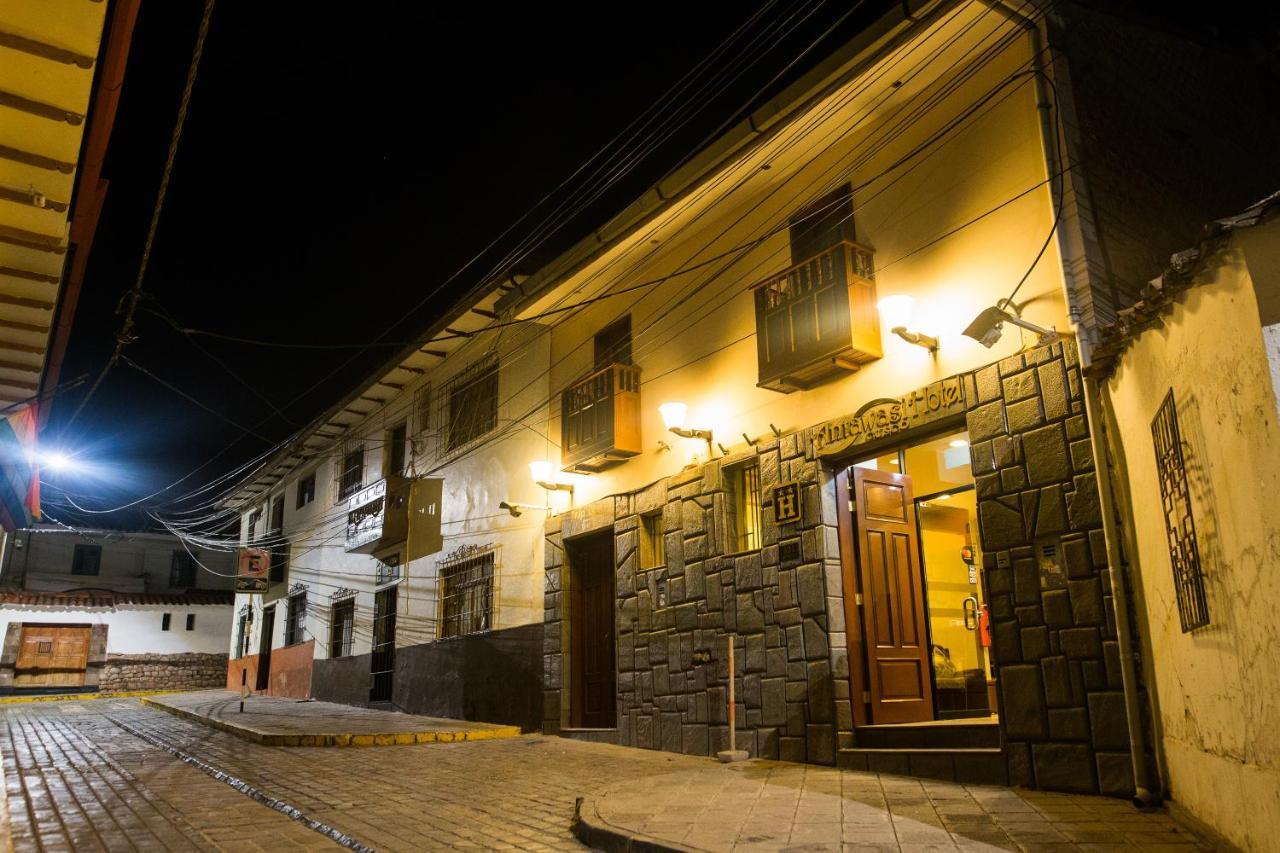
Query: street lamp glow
56	460
541	471
673	415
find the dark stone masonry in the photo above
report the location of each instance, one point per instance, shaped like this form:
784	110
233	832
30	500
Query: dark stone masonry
188	671
1044	564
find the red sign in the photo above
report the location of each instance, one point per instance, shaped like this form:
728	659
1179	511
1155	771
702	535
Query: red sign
255	570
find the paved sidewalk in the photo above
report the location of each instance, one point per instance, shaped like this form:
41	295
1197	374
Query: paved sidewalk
770	805
288	722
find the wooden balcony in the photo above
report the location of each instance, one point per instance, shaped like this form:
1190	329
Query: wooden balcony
817	320
378	516
600	419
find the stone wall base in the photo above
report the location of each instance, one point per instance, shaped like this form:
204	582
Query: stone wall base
189	671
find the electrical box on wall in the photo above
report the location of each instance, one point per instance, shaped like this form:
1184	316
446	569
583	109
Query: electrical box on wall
1049	563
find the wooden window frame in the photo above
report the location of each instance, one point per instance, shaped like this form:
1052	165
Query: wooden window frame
78	560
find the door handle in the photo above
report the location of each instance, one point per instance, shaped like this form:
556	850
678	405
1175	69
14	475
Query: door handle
971	613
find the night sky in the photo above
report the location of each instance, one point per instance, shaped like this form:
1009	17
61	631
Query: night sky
336	167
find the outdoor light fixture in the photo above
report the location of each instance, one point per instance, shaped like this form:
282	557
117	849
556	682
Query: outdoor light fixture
896	312
543	472
987	327
516	509
673	415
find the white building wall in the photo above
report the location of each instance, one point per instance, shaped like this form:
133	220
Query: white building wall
136	629
1216	686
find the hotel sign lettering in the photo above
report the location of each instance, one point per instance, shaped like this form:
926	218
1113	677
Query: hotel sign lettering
786	503
884	417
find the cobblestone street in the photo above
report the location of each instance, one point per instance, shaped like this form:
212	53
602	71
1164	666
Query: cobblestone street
76	779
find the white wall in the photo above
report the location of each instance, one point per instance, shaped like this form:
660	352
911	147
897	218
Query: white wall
1217	686
136	629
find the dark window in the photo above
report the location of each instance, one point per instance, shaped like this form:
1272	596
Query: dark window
422	409
242	632
306	490
254	518
87	559
466	595
821	225
397	437
191	621
382	663
295	619
165	620
182	570
613	343
1179	523
742	482
473	403
351	475
279	548
342	628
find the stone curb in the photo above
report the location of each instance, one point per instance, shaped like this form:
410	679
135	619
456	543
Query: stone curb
598	834
338	738
80	697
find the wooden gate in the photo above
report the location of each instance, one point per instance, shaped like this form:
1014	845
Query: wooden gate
52	656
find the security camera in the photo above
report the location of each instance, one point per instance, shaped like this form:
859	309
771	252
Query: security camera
987	327
514	510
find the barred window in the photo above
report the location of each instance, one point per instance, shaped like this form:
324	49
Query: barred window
350	471
472	400
275	535
342	623
306	491
296	618
86	560
466	595
1179	523
252	533
743	485
182	570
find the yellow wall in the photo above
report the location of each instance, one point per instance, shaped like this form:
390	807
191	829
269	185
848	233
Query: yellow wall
1216	686
694	335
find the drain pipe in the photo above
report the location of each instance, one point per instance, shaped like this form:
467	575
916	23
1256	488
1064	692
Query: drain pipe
1144	794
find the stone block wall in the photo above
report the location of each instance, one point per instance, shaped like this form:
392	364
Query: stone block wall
791	660
188	671
1053	624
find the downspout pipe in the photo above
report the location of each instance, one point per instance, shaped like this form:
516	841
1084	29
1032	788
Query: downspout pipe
1145	792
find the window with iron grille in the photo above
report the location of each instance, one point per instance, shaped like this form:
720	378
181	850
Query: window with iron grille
394	455
471	399
306	491
182	570
86	560
350	471
275	535
252	533
742	483
466	595
296	618
1175	501
242	631
342	623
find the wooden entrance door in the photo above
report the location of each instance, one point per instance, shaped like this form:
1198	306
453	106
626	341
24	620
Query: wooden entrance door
894	620
52	656
591	633
265	640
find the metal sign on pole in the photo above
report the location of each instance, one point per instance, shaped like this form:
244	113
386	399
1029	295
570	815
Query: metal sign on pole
732	753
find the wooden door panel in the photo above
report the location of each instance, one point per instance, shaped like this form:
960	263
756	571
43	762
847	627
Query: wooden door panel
54	656
592	634
894	616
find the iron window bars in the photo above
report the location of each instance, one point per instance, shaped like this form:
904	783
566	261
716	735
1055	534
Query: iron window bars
349	471
743	482
295	619
466	599
1175	502
469	404
342	628
182	570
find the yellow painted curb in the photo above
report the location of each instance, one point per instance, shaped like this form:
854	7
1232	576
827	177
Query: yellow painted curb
81	697
340	738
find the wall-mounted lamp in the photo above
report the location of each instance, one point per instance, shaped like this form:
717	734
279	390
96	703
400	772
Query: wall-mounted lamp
673	415
543	474
895	312
987	327
517	509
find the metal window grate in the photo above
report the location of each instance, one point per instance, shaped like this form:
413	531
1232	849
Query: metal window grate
382	663
743	482
342	628
466	600
295	620
469	404
1175	500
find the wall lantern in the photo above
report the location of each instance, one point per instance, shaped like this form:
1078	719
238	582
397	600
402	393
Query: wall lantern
543	474
673	415
895	312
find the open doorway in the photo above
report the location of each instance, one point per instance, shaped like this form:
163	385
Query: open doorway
918	555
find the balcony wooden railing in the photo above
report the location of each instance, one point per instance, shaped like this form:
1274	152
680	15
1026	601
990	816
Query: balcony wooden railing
600	419
817	320
378	515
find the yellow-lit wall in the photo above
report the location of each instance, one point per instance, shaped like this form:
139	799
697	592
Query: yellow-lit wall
694	334
1216	686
